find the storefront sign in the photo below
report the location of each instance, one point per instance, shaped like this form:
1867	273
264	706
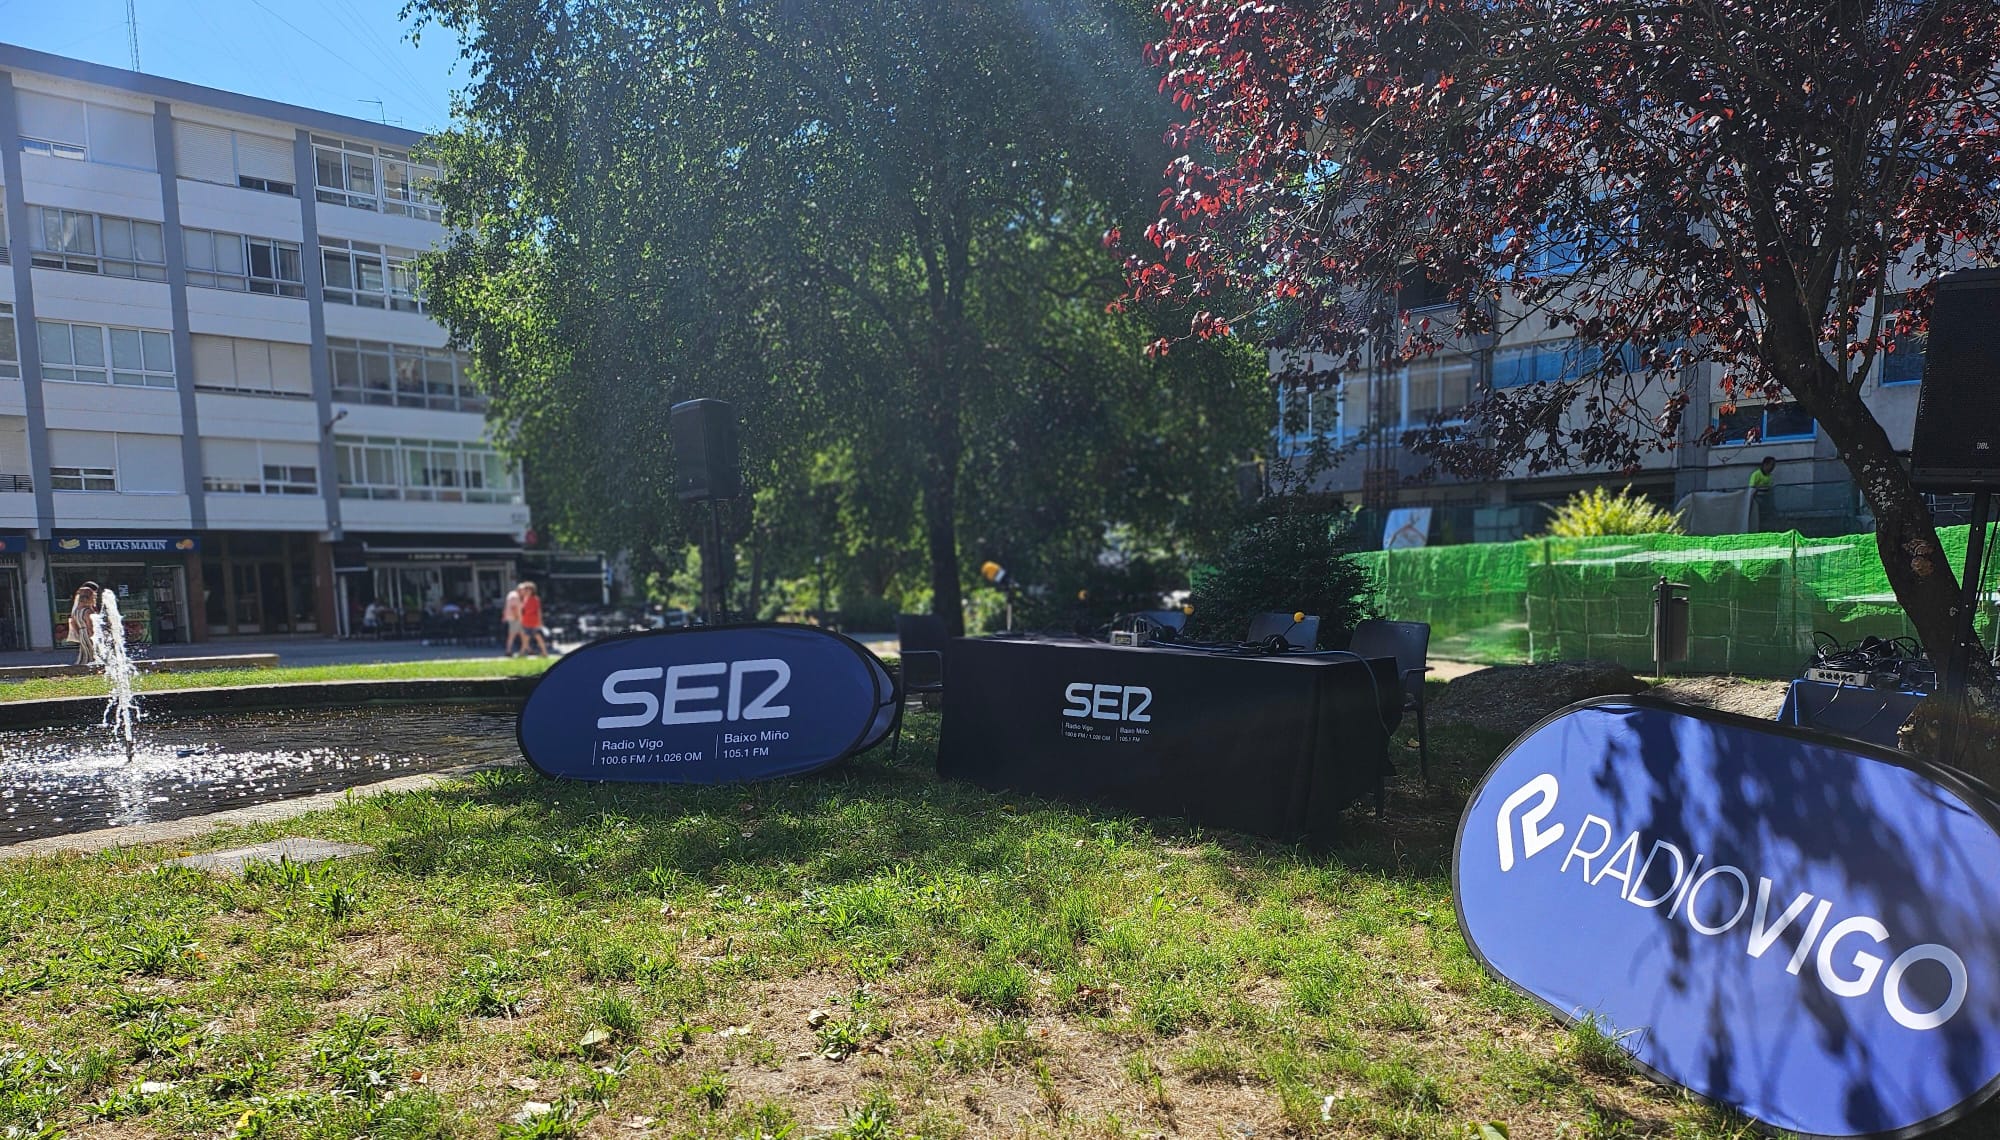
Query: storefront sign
13	544
1804	927
706	706
120	544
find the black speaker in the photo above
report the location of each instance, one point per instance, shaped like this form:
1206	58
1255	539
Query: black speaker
704	436
1956	444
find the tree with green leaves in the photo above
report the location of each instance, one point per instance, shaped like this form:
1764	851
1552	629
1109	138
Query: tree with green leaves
874	226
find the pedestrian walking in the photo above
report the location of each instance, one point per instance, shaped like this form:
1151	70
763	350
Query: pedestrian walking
531	620
510	613
83	623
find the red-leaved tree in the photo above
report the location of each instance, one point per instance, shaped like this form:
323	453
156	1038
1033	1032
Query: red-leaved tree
1688	187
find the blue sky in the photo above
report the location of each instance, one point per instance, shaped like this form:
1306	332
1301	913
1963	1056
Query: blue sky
335	55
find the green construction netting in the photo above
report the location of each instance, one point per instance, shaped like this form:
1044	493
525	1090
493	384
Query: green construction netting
1754	599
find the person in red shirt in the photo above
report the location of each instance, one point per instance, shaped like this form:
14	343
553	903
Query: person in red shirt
531	621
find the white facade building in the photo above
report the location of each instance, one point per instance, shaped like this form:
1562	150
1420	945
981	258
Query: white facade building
219	391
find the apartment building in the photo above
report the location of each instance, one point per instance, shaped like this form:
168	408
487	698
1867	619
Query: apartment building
1364	416
220	393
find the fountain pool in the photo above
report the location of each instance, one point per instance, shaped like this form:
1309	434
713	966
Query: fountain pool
61	780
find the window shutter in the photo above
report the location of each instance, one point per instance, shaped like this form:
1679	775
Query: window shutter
291	453
122	138
150	463
291	368
82	448
48	117
214	362
14	446
268	158
253	363
230	459
204	153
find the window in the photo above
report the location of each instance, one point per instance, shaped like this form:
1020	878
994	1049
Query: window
233	158
232	261
87	243
1551	252
259	467
1549	362
1763	423
10	346
52	126
254	367
66	128
1904	365
368	275
367	178
425	470
83	479
94	354
373	372
367	469
1439	384
5	256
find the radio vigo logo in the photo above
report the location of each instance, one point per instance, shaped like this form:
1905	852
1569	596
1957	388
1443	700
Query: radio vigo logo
1715	900
1532	838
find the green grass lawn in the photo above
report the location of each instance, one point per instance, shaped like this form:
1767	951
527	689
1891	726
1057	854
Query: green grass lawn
871	953
43	688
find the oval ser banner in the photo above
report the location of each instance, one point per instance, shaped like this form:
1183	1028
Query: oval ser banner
1804	927
706	706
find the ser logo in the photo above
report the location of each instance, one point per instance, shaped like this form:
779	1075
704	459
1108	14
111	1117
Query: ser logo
1108	702
680	703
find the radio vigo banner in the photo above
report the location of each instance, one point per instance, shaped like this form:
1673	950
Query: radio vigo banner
706	706
1801	926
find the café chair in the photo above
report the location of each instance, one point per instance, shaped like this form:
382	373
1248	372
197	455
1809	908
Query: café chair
1297	634
1409	642
922	639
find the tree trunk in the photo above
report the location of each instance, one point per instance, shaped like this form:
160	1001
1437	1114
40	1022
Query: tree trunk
1906	538
941	532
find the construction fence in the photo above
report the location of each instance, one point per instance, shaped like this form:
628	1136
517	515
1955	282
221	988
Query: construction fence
1754	603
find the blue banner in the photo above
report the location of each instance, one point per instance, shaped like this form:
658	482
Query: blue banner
125	544
706	706
1804	927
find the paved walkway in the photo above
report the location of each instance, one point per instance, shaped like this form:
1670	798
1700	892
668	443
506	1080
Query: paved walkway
327	650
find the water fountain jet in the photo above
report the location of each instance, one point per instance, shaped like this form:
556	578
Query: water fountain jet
121	710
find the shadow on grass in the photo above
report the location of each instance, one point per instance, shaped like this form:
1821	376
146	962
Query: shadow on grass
852	822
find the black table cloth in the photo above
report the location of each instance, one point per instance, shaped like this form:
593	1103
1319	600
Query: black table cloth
1272	746
1873	715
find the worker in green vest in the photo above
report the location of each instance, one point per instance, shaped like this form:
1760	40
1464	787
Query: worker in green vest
1760	479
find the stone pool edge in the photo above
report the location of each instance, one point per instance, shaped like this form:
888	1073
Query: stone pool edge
197	826
295	694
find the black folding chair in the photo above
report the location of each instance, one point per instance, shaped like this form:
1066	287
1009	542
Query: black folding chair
1409	642
1297	634
922	638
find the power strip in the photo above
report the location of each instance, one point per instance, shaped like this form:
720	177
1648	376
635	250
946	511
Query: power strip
1853	678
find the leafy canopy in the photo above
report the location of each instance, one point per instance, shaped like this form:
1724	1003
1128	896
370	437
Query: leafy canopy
874	226
1735	184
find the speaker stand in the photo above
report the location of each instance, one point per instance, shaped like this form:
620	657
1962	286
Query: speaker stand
1975	555
714	590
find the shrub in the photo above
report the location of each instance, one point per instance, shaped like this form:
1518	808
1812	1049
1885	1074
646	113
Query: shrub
863	614
1294	560
1085	596
1597	512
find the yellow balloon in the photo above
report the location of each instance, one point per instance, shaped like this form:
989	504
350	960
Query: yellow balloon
1187	608
1083	595
989	570
1298	616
